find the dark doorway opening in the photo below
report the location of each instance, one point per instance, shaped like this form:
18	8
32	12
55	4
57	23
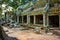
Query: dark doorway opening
31	19
54	21
25	19
39	19
20	19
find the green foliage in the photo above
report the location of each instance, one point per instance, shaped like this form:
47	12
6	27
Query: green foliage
16	3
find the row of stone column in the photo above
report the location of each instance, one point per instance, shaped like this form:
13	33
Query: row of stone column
28	19
45	20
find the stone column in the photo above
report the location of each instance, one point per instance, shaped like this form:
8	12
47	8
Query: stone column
34	19
45	20
22	19
17	19
7	16
28	19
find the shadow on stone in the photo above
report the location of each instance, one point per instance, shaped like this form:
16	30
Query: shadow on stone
10	38
4	36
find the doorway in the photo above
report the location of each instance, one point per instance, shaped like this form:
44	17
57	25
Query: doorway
54	21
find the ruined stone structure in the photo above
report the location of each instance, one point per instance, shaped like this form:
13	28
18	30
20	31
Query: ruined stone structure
41	13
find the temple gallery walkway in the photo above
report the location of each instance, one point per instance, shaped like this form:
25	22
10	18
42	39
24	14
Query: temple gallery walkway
25	35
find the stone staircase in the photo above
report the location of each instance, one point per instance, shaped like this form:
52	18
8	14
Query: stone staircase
56	32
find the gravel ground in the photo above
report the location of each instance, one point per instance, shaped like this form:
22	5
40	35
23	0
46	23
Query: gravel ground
14	34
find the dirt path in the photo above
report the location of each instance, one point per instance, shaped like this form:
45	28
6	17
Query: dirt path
24	35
